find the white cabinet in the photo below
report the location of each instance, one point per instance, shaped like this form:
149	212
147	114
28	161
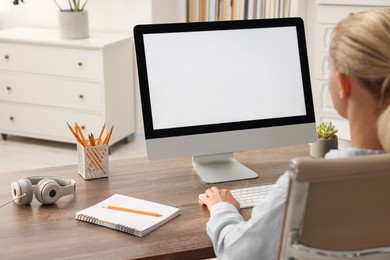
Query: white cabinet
46	82
329	13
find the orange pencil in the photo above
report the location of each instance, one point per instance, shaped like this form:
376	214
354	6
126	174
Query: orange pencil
153	214
78	130
99	140
91	140
75	135
108	136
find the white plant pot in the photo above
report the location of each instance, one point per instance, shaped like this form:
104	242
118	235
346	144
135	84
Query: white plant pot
73	25
322	146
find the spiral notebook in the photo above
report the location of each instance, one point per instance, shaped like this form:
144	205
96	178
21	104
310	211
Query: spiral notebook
137	222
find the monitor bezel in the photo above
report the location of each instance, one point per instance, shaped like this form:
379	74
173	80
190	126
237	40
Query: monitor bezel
151	133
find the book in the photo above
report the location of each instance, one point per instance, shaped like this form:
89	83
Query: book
145	216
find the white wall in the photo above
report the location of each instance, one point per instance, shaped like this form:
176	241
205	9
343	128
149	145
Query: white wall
307	9
168	11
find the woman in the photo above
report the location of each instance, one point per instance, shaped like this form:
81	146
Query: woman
359	84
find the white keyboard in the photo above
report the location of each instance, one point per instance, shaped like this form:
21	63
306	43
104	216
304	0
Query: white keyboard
248	197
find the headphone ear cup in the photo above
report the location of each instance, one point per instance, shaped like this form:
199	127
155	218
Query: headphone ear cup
47	191
20	187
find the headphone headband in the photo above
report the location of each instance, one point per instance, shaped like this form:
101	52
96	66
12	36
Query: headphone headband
63	181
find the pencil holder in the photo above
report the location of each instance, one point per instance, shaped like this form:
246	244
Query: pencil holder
93	161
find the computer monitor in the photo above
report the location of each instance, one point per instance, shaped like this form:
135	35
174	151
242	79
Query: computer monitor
209	89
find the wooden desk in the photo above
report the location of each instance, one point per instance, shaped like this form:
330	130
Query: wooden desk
47	232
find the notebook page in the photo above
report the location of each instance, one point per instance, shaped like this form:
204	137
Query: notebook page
138	222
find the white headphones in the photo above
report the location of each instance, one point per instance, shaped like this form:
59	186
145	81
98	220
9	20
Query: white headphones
47	189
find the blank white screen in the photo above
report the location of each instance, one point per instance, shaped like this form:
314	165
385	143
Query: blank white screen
201	78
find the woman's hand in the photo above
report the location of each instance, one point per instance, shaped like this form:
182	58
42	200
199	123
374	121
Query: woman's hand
215	195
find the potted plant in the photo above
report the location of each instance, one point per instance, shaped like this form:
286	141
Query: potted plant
72	22
74	5
326	140
16	2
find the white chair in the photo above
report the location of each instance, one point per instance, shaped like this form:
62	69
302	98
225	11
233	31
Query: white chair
337	209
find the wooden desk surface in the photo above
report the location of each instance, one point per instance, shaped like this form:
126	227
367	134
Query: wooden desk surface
50	231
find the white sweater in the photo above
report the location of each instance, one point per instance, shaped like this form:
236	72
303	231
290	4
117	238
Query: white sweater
257	238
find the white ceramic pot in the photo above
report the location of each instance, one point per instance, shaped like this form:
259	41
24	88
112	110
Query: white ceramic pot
323	146
73	25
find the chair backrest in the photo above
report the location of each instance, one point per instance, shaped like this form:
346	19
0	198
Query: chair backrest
338	208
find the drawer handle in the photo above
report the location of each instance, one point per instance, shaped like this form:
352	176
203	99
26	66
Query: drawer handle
9	88
11	118
80	63
82	127
6	56
81	96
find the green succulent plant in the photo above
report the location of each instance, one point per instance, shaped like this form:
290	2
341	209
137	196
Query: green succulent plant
326	130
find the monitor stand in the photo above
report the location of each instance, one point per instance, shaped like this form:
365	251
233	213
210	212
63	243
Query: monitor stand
221	168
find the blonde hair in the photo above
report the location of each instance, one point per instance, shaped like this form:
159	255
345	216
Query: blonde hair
360	47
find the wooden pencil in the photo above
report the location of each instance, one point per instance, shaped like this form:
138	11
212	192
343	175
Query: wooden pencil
78	130
99	140
75	135
108	136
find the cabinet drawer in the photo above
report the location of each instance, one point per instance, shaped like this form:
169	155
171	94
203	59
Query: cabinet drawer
49	91
48	60
41	122
321	67
332	14
328	17
325	100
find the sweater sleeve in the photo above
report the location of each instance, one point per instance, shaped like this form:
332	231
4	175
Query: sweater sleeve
257	238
